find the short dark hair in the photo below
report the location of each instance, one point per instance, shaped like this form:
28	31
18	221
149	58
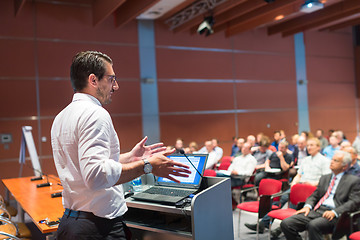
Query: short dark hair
84	64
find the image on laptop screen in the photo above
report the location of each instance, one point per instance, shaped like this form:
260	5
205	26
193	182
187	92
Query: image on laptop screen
198	160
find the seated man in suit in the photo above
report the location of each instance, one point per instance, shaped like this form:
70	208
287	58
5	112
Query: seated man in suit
336	193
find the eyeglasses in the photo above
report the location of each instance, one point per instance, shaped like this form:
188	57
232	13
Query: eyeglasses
112	78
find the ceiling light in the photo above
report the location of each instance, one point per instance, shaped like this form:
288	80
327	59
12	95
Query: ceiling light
279	17
206	26
311	6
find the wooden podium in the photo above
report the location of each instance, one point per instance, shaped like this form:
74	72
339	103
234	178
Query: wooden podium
208	217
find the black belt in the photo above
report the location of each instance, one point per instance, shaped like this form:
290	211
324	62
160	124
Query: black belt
87	215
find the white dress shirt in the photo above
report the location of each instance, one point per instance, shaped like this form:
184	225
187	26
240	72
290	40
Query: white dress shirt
86	152
243	165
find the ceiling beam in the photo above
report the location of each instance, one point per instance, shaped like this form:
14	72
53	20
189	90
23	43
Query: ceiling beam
18	6
176	9
319	15
198	19
102	9
262	16
315	24
131	9
348	23
222	19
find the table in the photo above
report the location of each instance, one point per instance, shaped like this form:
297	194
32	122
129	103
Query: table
37	202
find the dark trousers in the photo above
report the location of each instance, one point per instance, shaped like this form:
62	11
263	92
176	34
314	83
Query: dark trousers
88	226
313	222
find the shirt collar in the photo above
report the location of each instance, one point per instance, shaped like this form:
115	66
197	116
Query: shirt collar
85	97
338	176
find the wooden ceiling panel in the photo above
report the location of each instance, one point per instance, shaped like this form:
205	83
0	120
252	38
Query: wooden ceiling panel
231	16
261	15
227	6
102	9
351	22
131	9
316	23
297	24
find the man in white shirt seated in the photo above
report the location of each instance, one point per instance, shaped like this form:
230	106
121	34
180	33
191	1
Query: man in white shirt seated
212	158
219	151
241	167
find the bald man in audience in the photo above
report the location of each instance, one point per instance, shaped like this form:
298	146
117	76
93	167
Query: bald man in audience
241	167
213	156
335	194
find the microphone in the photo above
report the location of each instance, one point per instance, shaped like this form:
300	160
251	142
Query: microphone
44	184
182	152
42	177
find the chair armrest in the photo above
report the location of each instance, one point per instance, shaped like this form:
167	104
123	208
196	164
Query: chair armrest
354	221
249	189
4	212
7	221
9	235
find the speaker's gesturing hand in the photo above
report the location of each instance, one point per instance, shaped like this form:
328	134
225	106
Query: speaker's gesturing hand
167	168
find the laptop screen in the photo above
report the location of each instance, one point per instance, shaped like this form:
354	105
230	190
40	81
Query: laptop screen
194	179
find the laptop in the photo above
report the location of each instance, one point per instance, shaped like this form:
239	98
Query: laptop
169	192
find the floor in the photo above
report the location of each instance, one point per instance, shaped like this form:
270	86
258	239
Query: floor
245	233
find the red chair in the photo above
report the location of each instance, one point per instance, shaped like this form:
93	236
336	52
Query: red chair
267	188
209	173
225	163
355	236
299	193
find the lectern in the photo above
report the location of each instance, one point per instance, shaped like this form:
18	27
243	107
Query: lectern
208	217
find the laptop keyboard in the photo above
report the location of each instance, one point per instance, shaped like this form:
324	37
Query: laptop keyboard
169	191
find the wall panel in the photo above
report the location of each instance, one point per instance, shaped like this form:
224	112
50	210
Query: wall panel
195	96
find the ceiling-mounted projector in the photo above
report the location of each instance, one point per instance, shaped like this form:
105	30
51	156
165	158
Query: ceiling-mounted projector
311	6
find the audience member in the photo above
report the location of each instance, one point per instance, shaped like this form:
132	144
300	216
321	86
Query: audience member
276	141
340	136
280	160
354	168
193	147
179	145
292	145
356	143
219	151
251	139
258	138
282	135
323	141
336	193
240	143
304	134
300	151
344	145
262	153
333	146
310	171
242	167
213	156
234	147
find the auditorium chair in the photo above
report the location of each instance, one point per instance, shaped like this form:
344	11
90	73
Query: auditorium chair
267	189
19	230
299	193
